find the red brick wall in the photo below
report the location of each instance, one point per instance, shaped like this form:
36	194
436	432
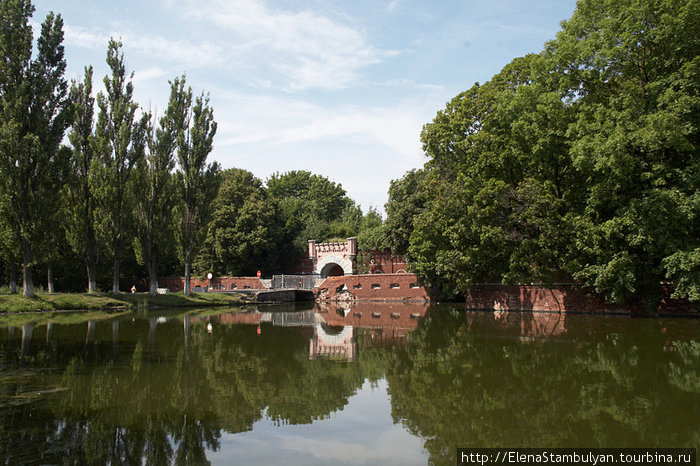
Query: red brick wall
380	262
380	287
561	298
217	283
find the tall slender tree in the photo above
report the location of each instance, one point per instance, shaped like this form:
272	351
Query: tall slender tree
195	128
34	113
156	196
120	139
80	200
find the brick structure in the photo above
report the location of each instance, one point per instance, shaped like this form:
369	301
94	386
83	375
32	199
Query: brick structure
378	287
340	345
371	315
216	283
560	298
380	262
333	258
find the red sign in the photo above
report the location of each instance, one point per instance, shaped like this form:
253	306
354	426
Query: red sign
259	274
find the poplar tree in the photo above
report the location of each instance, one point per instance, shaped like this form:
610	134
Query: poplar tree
33	119
80	200
120	140
195	129
156	196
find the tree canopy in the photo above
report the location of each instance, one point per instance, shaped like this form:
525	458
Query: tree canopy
578	163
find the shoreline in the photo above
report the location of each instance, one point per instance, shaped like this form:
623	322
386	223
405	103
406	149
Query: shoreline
13	304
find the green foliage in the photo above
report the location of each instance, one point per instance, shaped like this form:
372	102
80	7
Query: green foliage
311	207
194	128
156	189
78	197
243	234
120	141
371	235
406	201
34	114
576	163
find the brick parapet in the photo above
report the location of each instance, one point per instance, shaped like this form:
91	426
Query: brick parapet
216	283
560	298
379	287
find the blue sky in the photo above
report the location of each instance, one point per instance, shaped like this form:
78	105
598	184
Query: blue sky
339	88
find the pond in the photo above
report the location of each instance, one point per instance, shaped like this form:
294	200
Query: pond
362	384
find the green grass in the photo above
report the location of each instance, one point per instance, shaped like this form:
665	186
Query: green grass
14	303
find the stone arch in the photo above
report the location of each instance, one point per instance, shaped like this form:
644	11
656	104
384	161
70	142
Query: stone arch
326	264
332	270
334	338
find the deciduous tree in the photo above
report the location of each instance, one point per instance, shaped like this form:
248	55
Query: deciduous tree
155	188
195	129
80	202
34	114
120	142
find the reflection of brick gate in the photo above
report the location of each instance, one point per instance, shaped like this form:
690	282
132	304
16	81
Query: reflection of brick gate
333	258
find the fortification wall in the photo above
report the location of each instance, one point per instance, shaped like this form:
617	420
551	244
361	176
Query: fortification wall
217	283
379	287
560	298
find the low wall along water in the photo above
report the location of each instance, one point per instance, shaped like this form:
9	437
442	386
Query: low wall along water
407	287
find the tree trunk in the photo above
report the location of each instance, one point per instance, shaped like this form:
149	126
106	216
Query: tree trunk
49	278
91	263
153	275
27	280
187	271
13	274
115	277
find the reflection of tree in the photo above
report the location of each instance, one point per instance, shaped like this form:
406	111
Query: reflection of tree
469	380
160	400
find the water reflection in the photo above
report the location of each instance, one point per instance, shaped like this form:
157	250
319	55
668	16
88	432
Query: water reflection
523	380
175	388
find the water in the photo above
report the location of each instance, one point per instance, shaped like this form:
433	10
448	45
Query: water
364	384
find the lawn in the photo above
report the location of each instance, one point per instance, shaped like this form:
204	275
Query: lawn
13	303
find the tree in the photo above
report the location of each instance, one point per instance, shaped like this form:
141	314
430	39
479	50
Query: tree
195	129
493	190
120	140
79	197
634	71
243	235
406	201
156	196
34	114
52	249
578	163
311	207
371	233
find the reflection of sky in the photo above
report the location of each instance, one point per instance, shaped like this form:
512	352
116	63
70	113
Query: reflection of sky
362	433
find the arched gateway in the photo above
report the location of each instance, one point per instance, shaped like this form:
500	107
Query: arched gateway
332	259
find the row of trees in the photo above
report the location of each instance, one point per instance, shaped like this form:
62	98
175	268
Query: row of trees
117	183
579	163
132	180
256	225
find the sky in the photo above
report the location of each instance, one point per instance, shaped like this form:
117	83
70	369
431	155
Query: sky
338	88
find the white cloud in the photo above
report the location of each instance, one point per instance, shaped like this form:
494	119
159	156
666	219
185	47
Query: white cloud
392	5
360	146
147	74
93	38
183	53
303	49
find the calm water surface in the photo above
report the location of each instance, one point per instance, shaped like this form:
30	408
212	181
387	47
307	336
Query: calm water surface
367	384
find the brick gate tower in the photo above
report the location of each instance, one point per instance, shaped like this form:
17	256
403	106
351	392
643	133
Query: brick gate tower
333	258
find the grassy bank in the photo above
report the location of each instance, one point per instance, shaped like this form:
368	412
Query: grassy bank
13	303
